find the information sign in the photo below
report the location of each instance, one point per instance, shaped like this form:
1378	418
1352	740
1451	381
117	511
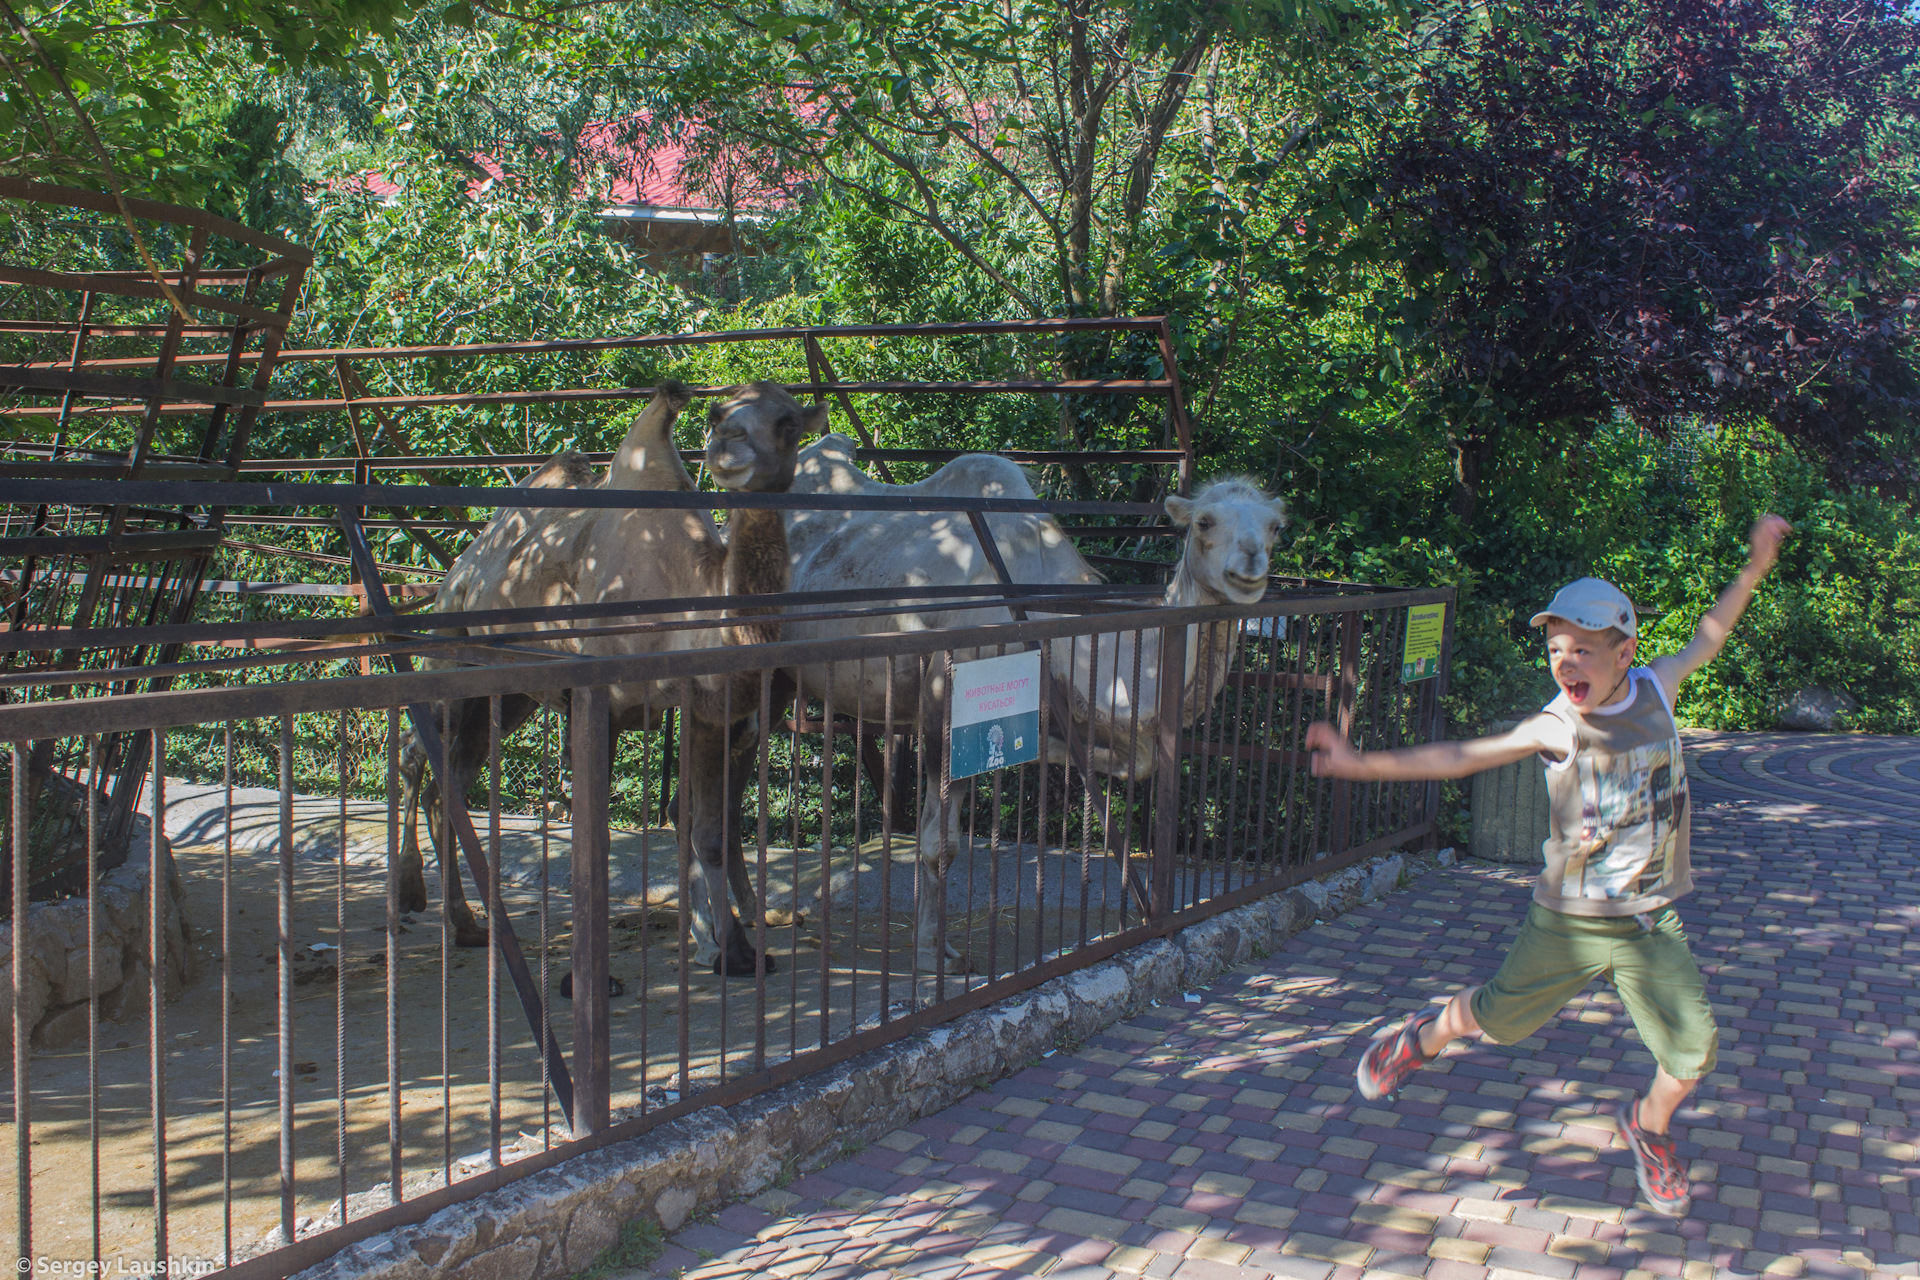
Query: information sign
1425	625
996	714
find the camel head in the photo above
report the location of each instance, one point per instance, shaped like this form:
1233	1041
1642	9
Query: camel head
1231	526
754	436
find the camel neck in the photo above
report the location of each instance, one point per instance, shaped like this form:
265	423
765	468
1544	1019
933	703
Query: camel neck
648	458
757	560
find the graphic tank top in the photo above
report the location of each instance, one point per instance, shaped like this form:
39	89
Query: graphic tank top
1618	809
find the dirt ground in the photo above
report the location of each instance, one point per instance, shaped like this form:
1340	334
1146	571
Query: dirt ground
1004	910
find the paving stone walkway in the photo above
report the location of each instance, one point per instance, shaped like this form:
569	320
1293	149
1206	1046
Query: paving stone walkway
1222	1140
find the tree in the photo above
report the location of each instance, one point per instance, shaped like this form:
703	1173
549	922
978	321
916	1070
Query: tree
1677	209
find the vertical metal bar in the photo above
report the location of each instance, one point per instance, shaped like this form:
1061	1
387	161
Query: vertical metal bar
646	879
945	712
340	980
283	1012
1086	783
1166	765
1349	687
449	883
1127	871
853	932
22	1093
1040	804
591	773
886	843
494	916
1176	405
760	888
1271	629
683	839
1436	726
93	1001
546	985
157	899
393	953
793	824
825	895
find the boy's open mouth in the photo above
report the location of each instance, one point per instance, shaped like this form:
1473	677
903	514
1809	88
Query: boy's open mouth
1577	690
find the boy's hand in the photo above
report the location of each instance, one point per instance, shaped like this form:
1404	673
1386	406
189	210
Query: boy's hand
1333	755
1763	543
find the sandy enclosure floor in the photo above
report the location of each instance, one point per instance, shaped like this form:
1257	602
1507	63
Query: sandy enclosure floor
1006	907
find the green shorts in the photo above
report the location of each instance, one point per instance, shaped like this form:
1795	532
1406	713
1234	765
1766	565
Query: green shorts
1556	955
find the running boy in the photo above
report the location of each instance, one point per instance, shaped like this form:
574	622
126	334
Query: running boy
1615	854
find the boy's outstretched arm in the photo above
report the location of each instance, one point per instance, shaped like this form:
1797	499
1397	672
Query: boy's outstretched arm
1763	549
1335	757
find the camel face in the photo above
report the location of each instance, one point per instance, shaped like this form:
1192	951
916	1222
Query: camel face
754	438
1231	527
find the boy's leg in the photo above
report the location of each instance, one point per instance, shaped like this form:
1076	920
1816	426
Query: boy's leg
1454	1022
1658	981
1549	962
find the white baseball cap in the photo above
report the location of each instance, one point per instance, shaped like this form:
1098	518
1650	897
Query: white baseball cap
1593	603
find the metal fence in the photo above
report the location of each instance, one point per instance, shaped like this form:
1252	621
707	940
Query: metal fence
352	1068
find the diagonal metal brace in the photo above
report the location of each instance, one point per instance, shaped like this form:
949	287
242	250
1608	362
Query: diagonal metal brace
499	927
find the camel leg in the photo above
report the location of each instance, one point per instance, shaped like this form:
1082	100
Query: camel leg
466	750
410	867
711	810
743	753
939	839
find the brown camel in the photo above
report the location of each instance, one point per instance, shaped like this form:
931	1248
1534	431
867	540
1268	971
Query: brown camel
529	557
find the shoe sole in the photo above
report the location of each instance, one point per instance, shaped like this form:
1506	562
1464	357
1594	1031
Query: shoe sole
1669	1208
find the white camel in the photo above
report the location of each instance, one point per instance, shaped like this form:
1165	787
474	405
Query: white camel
545	556
1113	686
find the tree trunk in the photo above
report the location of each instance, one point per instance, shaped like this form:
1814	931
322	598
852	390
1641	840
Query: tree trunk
1472	459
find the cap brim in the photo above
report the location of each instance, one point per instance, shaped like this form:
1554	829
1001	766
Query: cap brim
1540	619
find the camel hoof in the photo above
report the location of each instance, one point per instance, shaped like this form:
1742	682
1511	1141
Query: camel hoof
615	987
470	935
744	966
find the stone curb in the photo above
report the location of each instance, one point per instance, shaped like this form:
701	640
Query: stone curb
556	1223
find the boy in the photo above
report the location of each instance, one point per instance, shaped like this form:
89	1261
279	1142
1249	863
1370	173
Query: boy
1615	856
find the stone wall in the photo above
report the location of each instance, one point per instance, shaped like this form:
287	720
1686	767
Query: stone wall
1509	810
556	1223
56	974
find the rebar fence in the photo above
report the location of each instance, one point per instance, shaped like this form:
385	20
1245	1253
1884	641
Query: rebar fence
822	845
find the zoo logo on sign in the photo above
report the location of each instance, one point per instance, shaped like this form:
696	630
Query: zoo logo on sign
995	714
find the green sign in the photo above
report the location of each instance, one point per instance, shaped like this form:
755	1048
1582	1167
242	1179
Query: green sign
1425	623
995	714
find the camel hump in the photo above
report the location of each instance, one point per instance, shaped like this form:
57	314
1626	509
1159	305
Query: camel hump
566	470
828	466
982	475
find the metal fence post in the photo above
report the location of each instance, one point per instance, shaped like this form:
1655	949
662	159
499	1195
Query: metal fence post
1349	688
591	1075
1166	767
1436	726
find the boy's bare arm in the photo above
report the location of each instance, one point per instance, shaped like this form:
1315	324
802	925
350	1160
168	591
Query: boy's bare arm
1763	549
1335	757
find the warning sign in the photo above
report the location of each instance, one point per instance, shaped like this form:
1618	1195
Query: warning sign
996	714
1425	624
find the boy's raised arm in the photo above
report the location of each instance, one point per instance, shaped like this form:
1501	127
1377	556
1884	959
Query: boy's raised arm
1763	549
1335	757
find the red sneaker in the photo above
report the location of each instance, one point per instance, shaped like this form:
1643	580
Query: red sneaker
1387	1063
1663	1178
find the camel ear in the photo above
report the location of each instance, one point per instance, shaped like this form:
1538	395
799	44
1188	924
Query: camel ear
1180	511
715	411
1279	508
813	421
675	392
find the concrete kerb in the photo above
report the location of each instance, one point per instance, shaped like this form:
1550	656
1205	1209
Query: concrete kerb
556	1223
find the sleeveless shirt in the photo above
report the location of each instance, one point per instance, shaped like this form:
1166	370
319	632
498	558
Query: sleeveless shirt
1618	809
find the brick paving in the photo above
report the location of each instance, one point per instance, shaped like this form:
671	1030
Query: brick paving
1223	1140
